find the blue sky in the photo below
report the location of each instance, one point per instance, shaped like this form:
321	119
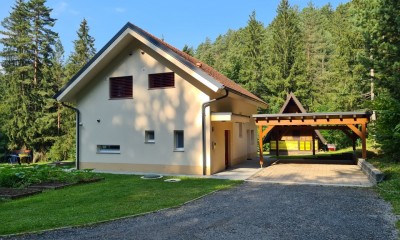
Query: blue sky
179	22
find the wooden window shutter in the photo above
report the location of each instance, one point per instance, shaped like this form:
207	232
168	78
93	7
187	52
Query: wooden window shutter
161	80
121	87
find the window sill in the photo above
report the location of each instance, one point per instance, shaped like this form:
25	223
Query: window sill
108	152
121	98
179	150
150	142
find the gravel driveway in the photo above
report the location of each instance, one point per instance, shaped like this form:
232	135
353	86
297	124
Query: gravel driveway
256	211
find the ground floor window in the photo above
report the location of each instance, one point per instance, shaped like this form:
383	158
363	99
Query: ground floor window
149	136
108	149
178	140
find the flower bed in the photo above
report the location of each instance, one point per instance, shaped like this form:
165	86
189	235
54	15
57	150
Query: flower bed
18	181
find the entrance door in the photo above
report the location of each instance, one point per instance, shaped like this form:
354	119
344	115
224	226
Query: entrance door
227	148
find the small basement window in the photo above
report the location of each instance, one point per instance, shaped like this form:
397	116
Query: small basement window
108	149
161	80
179	141
149	136
121	87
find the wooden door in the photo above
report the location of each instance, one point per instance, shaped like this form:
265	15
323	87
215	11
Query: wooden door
227	148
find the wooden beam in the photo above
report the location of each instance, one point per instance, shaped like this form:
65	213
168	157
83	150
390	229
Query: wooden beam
319	121
355	130
313	143
260	143
267	130
364	141
277	144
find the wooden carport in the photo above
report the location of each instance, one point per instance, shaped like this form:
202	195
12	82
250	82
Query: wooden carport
344	121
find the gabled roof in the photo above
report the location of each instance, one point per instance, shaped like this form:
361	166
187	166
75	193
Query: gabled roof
202	69
292	97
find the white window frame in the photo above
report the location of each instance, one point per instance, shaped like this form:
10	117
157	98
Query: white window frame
147	135
108	149
176	134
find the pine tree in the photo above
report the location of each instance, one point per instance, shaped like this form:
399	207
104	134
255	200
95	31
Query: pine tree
379	21
83	51
283	48
204	52
188	50
16	66
28	48
64	146
254	56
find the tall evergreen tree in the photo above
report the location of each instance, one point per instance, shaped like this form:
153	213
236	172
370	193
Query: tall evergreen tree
84	50
254	56
188	50
283	49
379	20
27	52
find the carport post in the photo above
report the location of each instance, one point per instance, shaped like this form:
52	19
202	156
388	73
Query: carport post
313	143
364	140
277	144
260	143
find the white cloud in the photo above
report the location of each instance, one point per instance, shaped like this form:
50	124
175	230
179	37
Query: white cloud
60	8
120	10
64	7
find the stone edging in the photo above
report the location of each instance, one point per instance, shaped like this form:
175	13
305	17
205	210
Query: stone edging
374	174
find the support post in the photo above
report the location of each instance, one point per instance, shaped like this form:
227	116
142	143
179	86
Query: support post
260	143
277	144
313	143
364	140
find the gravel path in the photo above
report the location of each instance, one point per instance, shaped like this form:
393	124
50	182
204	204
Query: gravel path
255	211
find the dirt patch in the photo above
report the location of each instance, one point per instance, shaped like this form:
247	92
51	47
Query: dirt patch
14	193
51	185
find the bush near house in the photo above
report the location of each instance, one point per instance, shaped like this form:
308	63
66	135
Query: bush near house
21	176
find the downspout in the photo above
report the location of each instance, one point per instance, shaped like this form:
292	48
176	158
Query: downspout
77	131
203	127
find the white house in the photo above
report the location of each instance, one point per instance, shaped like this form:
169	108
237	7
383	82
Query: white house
145	106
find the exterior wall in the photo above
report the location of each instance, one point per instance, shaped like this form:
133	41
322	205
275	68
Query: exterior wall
242	146
124	122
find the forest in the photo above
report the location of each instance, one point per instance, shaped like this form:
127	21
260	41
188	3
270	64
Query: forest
343	59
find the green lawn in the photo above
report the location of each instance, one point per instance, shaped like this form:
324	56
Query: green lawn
389	189
116	196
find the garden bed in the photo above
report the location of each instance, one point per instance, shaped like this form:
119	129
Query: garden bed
21	181
14	193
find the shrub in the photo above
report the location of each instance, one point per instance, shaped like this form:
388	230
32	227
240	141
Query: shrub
23	176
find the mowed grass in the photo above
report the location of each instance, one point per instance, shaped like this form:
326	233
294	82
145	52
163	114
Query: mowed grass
116	196
389	189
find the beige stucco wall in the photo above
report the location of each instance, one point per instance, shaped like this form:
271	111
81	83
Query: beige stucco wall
123	122
242	147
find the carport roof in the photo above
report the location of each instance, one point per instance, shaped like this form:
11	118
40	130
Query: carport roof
319	115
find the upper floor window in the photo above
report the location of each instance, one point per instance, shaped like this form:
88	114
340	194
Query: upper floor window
121	87
161	80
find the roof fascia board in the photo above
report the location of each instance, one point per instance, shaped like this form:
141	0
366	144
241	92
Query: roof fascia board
91	64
